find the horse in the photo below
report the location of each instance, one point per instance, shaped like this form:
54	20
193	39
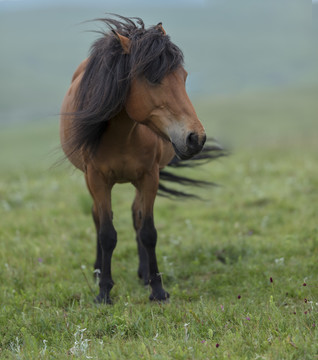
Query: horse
124	118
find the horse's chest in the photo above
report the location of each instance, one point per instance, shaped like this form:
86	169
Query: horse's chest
127	158
125	168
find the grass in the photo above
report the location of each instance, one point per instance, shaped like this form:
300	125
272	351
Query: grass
241	266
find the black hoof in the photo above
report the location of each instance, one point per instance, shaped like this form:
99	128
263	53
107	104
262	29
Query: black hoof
103	299
160	295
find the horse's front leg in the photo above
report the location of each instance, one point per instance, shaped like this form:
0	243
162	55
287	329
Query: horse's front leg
107	238
106	233
99	252
147	235
143	268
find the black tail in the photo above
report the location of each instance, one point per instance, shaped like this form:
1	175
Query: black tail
212	150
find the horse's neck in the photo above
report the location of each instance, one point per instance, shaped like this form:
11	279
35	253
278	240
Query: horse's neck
122	125
127	142
124	130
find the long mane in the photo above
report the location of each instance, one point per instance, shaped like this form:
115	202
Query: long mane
106	81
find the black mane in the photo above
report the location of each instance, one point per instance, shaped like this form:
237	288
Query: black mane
105	84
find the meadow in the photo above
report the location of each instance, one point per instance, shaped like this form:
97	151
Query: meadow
240	265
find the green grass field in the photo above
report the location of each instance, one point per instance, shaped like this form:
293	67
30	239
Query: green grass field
217	256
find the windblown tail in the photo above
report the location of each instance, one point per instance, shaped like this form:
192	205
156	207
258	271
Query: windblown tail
212	150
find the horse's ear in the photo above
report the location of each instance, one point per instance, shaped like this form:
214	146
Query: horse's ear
124	41
160	28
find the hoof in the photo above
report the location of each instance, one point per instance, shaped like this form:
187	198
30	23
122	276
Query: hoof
103	299
160	295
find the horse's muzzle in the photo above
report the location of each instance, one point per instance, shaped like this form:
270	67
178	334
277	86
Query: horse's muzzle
194	144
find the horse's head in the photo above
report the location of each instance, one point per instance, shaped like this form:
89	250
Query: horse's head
168	111
162	103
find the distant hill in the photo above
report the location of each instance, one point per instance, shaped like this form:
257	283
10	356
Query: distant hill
230	47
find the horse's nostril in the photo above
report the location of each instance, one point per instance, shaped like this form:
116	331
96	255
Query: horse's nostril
192	140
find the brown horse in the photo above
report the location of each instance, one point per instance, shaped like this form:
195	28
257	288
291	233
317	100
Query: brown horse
125	117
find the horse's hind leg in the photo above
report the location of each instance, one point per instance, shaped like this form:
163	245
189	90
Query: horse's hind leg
107	236
147	235
143	268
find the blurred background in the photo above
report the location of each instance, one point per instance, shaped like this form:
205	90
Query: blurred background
252	64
